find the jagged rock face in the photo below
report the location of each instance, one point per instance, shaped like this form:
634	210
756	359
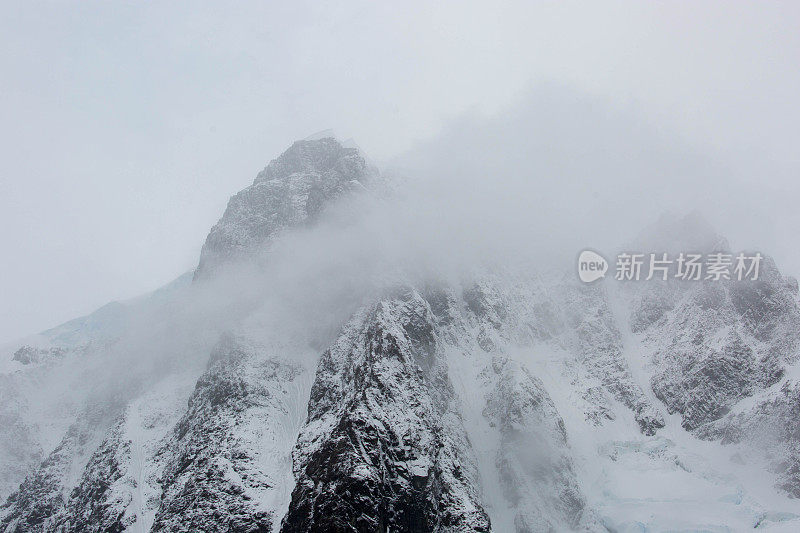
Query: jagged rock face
38	504
600	347
383	448
533	461
577	319
719	342
94	505
711	343
224	459
769	425
36	418
528	482
386	446
290	192
118	488
28	354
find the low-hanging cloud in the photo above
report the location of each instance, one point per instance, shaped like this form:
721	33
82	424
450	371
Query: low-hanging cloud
526	189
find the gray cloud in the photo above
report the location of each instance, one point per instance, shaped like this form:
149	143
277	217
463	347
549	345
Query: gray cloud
126	127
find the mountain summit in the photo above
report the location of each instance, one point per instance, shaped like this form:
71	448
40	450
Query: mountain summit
289	192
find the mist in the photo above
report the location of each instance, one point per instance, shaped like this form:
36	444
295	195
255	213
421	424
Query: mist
130	126
521	191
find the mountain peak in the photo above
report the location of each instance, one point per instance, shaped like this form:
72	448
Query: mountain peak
312	156
290	192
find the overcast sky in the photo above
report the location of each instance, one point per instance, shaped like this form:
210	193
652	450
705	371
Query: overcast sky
126	126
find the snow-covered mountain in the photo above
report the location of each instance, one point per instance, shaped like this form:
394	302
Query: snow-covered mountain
508	400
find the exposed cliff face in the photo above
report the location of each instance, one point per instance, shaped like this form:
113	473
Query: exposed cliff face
767	426
714	343
383	448
290	192
39	503
502	402
577	321
533	460
227	459
44	384
386	427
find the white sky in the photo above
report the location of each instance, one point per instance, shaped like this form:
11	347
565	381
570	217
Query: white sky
126	126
